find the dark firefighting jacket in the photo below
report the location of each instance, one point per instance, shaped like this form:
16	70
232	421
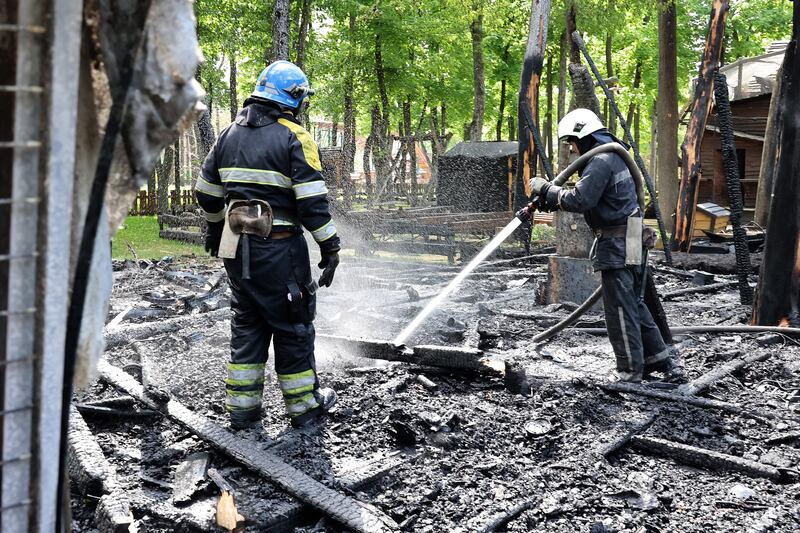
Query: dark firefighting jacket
606	195
266	155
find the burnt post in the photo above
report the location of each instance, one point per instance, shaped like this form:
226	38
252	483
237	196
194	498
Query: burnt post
731	164
690	149
779	279
529	100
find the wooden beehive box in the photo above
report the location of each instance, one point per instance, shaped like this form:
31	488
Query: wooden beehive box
710	217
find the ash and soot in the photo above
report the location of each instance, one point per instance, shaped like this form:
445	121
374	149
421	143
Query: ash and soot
449	443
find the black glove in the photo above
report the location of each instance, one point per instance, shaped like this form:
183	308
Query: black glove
330	260
213	237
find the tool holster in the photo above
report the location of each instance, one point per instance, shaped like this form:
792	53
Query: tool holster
244	218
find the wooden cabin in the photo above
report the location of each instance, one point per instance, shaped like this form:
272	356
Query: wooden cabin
750	83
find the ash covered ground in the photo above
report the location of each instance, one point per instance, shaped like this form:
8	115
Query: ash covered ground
520	453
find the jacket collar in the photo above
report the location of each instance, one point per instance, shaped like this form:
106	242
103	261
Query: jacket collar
256	114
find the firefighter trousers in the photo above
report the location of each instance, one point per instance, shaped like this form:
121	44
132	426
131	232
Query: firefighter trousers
634	336
272	306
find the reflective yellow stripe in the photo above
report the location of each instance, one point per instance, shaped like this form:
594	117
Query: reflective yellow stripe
307	190
215	217
298	406
298	385
251	175
280	222
296	375
206	187
243	400
246	366
310	150
251	375
325	232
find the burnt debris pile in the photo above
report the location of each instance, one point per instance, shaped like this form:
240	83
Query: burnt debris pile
471	426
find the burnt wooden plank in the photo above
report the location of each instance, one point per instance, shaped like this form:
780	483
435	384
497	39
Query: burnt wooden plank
189	477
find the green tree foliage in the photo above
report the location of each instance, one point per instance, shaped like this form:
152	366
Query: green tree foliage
427	56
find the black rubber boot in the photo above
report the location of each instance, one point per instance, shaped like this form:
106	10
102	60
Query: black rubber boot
326	398
244	420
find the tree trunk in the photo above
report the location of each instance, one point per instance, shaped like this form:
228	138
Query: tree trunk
280	32
583	88
512	129
176	160
381	140
349	133
563	151
636	126
667	109
234	103
302	34
478	84
691	171
548	118
501	111
611	119
779	279
162	199
637	80
410	151
574	51
766	174
528	99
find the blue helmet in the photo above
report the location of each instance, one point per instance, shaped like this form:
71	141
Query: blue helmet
284	83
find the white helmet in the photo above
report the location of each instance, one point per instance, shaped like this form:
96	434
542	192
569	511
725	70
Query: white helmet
579	123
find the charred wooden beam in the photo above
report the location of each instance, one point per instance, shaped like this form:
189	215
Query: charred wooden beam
779	281
714	263
700	457
621	440
698	290
124	335
731	165
88	468
708	379
451	357
691	171
348	511
93	475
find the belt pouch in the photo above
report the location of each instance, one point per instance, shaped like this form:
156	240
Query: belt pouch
633	241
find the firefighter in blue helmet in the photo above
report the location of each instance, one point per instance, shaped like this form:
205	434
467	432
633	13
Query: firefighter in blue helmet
606	195
260	185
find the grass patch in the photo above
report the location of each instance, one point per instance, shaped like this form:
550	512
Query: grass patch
141	234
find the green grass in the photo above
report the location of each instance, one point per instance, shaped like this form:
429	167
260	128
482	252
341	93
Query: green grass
141	234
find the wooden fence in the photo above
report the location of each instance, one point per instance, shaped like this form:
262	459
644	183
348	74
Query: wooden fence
179	201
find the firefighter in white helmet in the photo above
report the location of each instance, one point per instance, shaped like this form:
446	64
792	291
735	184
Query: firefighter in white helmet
606	195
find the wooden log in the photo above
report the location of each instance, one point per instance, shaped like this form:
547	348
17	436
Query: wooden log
691	172
501	519
338	506
708	379
779	280
700	457
642	390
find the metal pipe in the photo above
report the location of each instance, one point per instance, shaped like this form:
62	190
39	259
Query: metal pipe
678	330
